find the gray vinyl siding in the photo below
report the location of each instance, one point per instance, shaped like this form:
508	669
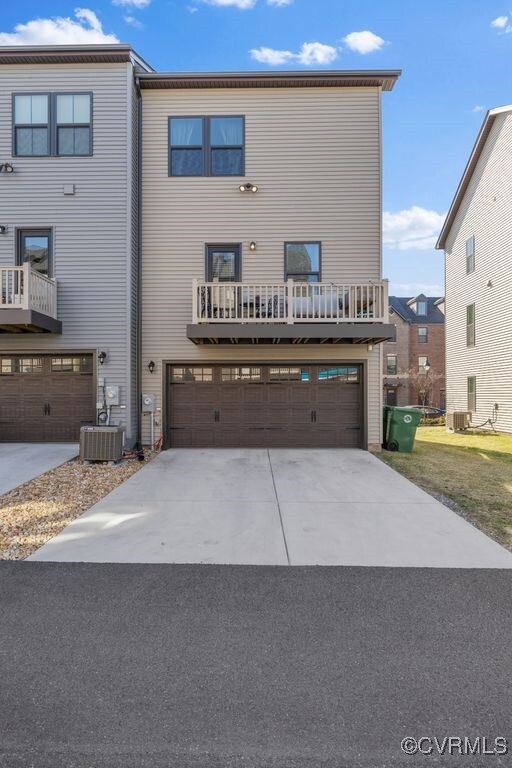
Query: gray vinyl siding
486	213
315	155
92	229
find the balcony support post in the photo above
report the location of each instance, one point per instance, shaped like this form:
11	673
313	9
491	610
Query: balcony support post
289	302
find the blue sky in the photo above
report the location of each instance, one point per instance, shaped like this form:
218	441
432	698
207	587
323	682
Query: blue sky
455	55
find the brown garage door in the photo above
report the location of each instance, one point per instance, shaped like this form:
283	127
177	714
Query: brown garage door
265	406
45	398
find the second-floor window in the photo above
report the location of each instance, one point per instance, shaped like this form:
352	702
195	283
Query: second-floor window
470	325
73	123
422	335
391	365
470	254
206	146
52	124
32	124
302	262
423	366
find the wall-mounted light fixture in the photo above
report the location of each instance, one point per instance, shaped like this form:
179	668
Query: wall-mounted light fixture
489	282
370	347
6	168
151	366
102	356
3	229
252	245
248	187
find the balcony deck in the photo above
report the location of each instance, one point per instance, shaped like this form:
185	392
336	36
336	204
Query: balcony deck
28	301
273	313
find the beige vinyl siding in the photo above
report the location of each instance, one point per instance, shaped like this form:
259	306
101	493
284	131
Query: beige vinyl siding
91	229
315	155
486	213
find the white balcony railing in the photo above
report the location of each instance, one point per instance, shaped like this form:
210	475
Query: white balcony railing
23	288
290	302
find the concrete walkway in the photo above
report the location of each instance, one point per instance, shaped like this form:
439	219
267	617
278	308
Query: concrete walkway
21	462
276	507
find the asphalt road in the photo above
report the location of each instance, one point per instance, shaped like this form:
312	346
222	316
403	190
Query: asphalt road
146	666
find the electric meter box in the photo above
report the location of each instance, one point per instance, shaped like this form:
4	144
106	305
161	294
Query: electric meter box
148	403
112	394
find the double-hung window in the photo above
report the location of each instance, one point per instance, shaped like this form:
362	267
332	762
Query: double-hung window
32	124
470	254
423	365
73	123
391	365
470	325
422	335
206	146
472	393
55	124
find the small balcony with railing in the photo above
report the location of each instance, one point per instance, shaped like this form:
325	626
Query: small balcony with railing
28	301
291	312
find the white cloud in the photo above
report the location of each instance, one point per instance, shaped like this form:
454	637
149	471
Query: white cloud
84	28
478	108
133	22
242	4
132	3
192	8
364	42
414	228
317	53
279	2
271	56
414	289
500	23
309	54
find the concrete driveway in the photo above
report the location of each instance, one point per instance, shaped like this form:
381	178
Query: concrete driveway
275	507
21	462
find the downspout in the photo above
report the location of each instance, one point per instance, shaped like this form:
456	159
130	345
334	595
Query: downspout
138	350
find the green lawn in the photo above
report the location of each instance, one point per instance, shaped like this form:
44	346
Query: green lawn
472	469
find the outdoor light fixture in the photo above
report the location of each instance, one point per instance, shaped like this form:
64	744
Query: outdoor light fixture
427	368
248	187
102	356
252	245
151	366
3	229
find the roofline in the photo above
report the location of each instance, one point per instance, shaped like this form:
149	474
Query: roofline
71	54
385	79
468	171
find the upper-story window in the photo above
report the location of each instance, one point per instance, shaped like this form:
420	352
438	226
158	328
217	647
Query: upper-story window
52	124
73	123
32	124
422	335
302	262
470	325
421	308
206	146
391	365
470	254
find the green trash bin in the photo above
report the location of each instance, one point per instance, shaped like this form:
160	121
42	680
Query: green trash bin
401	428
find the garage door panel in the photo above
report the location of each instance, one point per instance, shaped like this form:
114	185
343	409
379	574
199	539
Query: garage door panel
39	404
273	406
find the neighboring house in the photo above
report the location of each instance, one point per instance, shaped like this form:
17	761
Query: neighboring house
263	301
476	238
414	364
68	239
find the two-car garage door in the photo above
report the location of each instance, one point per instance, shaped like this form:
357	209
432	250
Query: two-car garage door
45	398
264	406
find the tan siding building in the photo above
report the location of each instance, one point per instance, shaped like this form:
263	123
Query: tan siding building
477	238
314	154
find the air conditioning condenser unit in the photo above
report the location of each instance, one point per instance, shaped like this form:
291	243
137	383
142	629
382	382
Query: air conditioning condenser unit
101	443
458	420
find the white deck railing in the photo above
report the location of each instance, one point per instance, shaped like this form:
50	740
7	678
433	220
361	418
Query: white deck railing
289	302
23	288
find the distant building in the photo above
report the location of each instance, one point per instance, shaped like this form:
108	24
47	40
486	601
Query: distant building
414	364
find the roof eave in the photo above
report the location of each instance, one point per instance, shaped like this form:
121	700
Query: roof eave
468	172
324	78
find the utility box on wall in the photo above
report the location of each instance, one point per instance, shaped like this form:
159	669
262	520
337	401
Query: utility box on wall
148	403
112	394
